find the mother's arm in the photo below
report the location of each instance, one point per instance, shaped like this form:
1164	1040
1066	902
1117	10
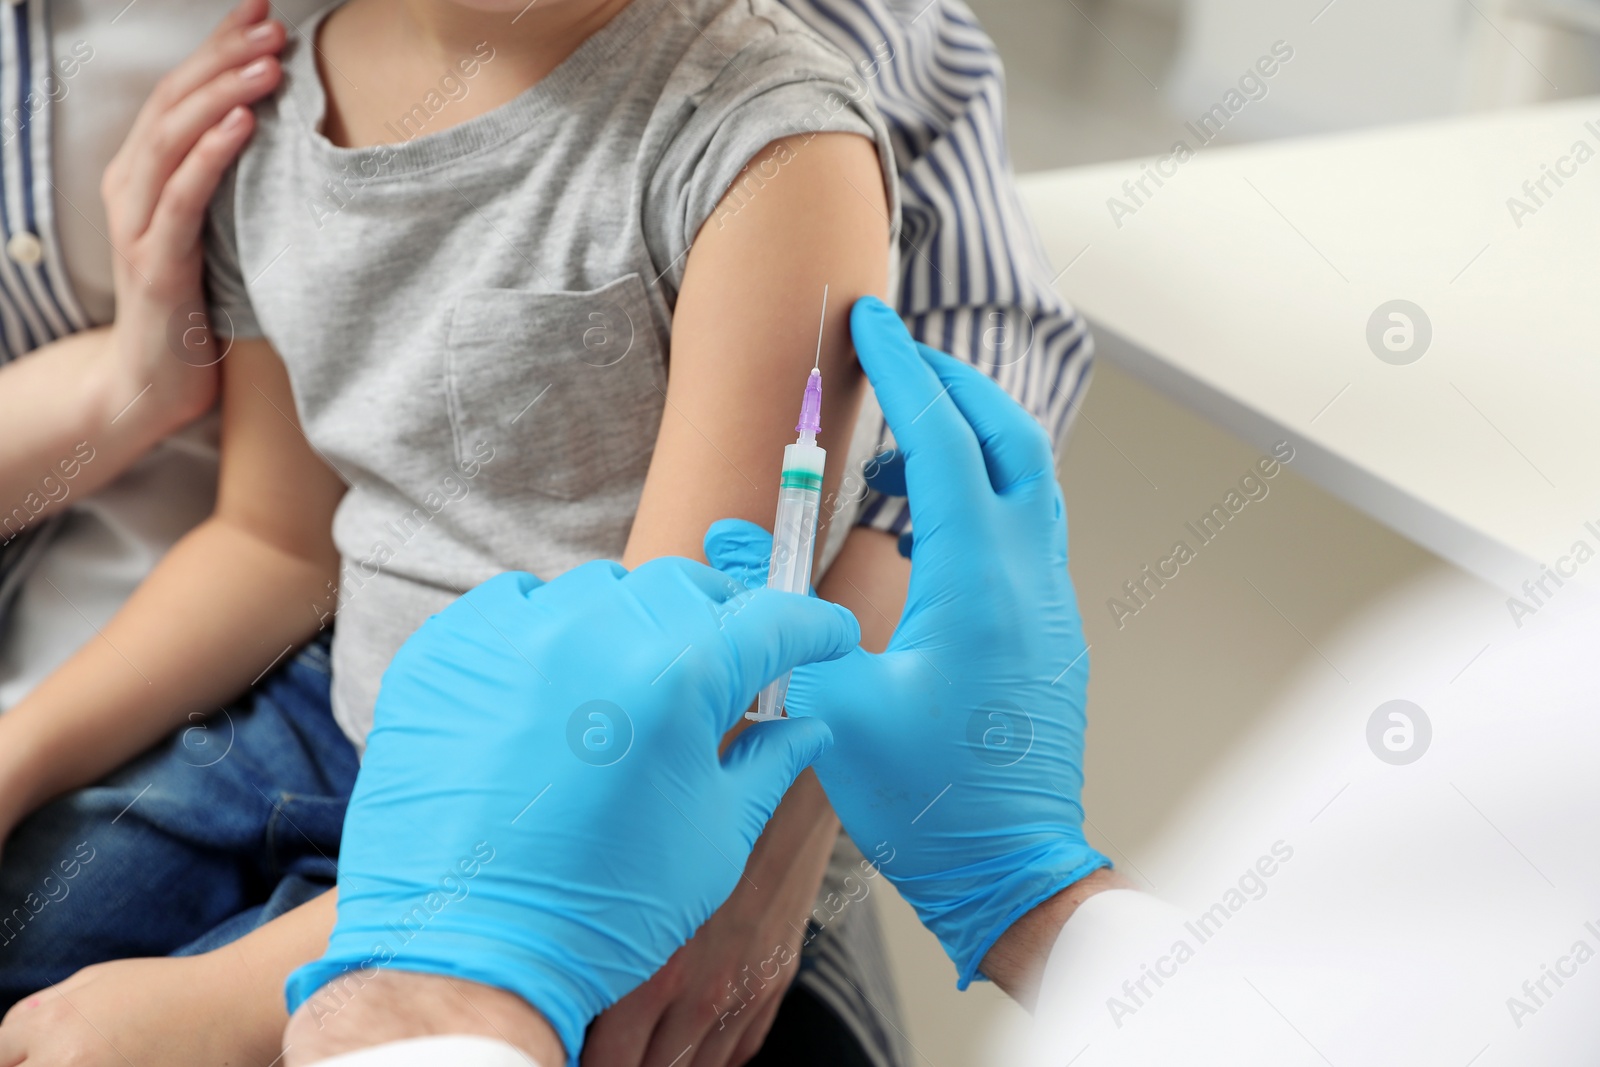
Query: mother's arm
79	411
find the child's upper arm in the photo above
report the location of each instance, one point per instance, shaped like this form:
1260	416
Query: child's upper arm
744	335
272	482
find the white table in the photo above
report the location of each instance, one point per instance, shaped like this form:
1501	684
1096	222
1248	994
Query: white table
1243	286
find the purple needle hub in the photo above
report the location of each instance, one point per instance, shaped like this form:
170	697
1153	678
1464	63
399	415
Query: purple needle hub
811	406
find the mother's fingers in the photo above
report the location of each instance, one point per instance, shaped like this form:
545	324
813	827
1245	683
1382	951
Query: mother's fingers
155	152
180	211
243	35
235	67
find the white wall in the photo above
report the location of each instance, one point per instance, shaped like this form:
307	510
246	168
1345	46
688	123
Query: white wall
1369	62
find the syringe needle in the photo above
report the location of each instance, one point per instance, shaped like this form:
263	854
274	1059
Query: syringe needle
820	327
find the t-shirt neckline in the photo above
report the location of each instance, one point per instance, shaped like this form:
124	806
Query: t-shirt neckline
306	95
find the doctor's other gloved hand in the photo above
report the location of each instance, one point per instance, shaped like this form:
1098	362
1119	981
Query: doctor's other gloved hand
958	755
542	807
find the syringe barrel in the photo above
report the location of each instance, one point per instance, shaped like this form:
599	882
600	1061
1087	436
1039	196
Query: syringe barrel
794	542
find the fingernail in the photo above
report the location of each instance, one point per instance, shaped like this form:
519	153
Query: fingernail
257	69
235	119
260	32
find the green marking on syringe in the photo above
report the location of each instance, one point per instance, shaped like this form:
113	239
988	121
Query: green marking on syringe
800	479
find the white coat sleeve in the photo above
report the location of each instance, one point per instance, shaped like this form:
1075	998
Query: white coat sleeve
456	1050
1133	981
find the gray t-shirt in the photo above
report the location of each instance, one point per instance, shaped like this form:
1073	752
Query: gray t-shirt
474	321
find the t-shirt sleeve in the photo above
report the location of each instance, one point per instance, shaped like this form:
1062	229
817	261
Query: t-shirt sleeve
792	87
227	297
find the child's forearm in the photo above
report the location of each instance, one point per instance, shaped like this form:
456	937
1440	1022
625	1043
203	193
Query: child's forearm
221	608
264	958
75	419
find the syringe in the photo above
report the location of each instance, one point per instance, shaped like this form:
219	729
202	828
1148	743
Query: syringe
794	531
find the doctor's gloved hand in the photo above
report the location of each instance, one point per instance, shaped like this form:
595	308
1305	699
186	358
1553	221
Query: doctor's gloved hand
542	807
958	755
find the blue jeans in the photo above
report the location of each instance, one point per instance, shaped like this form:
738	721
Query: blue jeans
226	825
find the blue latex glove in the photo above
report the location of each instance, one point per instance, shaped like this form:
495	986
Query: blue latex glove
542	807
958	755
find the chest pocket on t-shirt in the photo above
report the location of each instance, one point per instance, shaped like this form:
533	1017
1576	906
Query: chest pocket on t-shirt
567	388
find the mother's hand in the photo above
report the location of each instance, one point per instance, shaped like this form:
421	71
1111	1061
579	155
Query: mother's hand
156	192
